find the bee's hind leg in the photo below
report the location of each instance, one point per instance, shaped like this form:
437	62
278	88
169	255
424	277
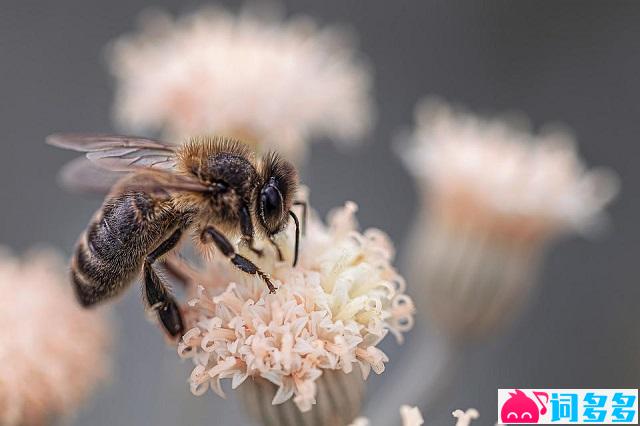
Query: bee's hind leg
241	262
156	291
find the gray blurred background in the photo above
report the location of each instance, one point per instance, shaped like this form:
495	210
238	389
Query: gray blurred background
573	62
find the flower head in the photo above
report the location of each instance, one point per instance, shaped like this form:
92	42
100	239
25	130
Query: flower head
411	416
52	352
503	177
465	417
275	83
329	313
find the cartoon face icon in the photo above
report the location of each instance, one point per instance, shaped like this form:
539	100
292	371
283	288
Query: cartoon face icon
519	408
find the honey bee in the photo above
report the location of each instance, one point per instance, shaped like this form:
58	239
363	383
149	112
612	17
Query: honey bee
212	188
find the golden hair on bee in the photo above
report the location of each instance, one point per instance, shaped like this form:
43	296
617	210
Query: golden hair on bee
210	187
194	155
276	171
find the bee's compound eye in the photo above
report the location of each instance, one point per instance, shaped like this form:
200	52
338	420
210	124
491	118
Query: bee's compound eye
271	203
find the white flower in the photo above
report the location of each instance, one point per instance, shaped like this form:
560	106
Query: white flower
52	351
277	83
411	416
465	417
361	421
489	168
328	313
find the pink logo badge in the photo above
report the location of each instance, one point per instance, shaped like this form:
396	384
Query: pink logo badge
519	408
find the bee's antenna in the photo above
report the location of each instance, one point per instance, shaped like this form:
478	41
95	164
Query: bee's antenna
297	222
304	214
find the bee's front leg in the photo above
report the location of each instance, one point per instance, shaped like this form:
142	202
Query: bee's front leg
156	291
246	226
211	234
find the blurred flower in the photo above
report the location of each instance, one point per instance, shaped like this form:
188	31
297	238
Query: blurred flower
497	174
52	352
411	416
328	314
465	417
495	194
273	82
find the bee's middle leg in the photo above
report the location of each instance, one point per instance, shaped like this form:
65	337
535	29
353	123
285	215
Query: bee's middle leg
156	291
180	270
276	247
241	262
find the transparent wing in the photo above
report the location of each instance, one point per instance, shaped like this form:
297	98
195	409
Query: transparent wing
118	153
83	176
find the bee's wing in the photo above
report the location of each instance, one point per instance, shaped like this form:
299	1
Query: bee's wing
118	153
84	176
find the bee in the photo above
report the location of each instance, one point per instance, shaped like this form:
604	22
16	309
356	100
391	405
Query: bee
210	187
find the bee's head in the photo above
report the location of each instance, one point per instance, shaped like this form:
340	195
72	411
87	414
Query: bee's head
279	180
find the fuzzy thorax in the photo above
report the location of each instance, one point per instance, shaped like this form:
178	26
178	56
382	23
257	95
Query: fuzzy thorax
238	180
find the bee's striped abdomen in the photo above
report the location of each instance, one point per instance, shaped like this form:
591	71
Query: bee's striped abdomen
110	253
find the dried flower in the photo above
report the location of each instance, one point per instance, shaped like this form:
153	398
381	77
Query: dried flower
276	83
465	417
52	352
329	313
495	195
411	416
